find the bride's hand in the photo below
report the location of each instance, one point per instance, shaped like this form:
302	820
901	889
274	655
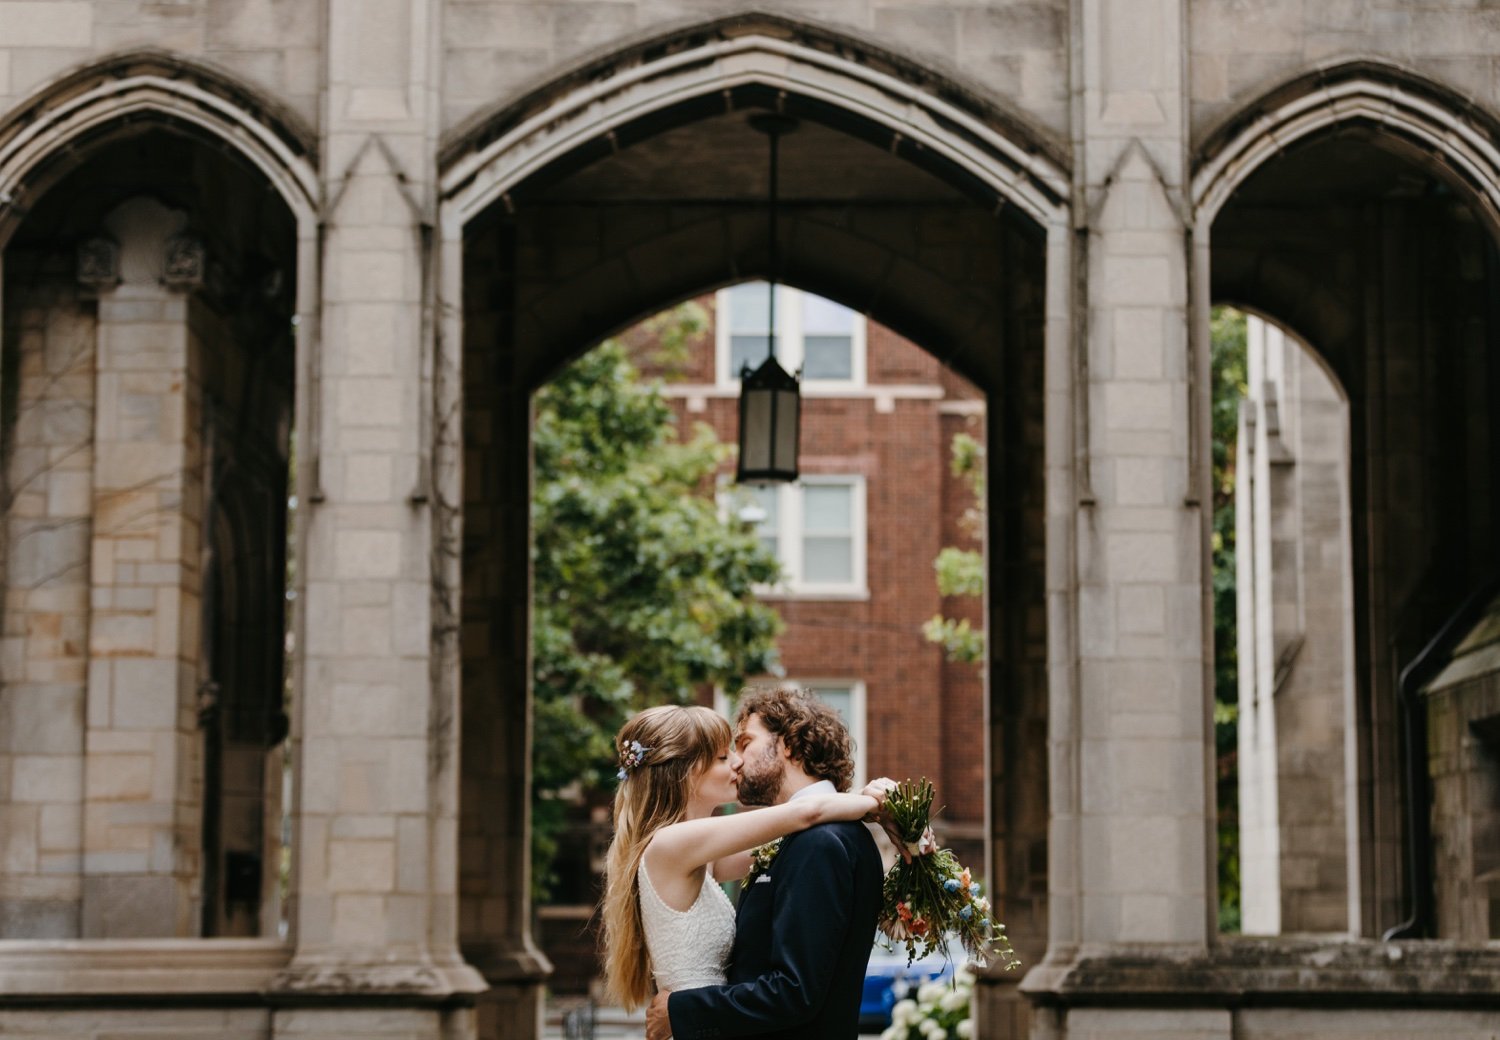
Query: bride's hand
878	789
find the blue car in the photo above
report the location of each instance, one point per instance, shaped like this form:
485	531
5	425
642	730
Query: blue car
889	979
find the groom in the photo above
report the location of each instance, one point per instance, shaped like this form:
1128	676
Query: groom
805	924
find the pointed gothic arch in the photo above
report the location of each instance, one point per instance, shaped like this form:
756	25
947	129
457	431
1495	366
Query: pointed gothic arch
1434	124
989	161
182	106
67	119
1405	121
928	118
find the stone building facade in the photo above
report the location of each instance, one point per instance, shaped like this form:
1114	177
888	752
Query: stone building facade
351	237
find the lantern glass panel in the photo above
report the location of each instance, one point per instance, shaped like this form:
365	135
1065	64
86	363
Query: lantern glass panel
755	438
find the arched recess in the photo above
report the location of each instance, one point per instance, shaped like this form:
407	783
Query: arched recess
581	114
1432	123
53	145
965	251
1360	204
1294	632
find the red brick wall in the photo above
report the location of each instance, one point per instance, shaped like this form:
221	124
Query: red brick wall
923	716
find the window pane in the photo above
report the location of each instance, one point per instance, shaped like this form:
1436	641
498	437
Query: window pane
824	316
758	506
840	699
746	350
828	508
828	560
827	357
747	307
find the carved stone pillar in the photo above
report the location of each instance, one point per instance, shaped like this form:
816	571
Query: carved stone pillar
1131	861
375	735
141	795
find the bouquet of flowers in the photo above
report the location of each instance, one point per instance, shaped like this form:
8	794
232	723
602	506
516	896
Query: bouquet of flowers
929	894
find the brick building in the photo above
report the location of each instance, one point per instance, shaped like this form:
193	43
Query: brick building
858	533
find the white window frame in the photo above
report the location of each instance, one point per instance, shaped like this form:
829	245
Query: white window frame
790	534
857	711
789	344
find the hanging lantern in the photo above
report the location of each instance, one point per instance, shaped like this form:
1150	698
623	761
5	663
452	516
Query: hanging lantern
770	417
770	399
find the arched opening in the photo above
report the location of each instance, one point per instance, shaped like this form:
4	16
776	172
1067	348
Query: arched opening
150	356
1370	231
891	476
571	233
1283	630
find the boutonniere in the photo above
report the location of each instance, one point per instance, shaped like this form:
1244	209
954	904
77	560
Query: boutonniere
762	856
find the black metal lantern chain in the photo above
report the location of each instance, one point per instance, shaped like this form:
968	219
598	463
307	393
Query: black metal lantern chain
770	400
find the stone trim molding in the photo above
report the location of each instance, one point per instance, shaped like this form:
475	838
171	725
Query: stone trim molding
73	970
1453	133
106	98
1245	972
485	162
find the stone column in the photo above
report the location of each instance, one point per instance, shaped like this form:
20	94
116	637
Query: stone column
375	739
1134	868
495	874
1295	672
1145	724
142	813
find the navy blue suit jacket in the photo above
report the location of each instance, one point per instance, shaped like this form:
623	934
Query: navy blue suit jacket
801	945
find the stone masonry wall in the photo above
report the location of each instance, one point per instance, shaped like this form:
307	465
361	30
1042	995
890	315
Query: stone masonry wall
44	654
273	45
1239	50
497	50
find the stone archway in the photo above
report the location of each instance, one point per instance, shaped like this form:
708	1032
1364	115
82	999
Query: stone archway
564	220
1386	190
183	309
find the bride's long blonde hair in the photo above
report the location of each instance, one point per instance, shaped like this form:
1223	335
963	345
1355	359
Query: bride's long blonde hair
679	742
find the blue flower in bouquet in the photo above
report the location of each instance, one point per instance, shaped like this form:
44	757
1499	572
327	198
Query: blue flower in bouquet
951	885
966	912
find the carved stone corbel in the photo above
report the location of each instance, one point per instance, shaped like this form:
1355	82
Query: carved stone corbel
186	264
98	264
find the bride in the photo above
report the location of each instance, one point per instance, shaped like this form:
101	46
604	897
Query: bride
667	924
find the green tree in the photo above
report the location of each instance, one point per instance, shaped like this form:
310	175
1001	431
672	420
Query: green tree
960	572
644	592
1230	381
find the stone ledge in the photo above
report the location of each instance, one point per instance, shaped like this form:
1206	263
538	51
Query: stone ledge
1272	973
32	971
319	978
238	972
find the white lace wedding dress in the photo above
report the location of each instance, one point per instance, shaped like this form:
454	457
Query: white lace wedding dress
689	948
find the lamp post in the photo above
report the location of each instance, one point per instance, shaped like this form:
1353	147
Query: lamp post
770	398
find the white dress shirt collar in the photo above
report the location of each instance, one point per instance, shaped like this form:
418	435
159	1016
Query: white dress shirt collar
818	787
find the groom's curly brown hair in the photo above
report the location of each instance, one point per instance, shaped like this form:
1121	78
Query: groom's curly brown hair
810	729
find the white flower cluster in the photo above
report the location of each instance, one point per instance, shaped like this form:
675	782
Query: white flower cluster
941	1011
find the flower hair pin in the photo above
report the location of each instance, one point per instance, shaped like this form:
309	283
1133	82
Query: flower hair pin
631	757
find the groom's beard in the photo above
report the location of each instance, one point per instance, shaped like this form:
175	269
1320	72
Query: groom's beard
760	782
